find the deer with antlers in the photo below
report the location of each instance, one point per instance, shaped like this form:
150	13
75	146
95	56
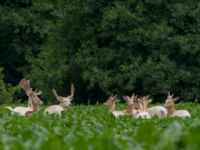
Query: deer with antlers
33	100
64	103
170	105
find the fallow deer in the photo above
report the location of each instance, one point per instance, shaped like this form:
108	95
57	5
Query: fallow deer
159	111
64	103
33	100
170	105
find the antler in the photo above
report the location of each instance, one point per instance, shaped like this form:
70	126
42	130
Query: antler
25	84
59	98
170	95
37	93
72	90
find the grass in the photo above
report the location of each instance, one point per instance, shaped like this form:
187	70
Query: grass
91	127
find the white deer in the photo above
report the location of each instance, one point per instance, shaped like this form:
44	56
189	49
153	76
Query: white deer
33	100
143	113
159	111
170	105
64	103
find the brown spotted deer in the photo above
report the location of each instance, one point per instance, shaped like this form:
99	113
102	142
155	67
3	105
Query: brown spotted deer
170	105
64	103
33	100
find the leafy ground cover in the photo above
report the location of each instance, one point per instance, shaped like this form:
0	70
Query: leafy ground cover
91	127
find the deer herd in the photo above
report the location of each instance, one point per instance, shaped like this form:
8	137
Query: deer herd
137	107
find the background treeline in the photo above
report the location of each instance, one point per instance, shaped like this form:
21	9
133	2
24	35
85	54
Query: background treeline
103	47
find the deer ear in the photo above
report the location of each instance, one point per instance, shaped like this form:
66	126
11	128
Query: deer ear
115	96
150	100
125	98
133	95
175	99
168	93
117	100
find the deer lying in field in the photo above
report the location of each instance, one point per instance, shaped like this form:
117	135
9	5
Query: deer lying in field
159	111
111	103
64	102
134	105
33	100
143	113
172	112
138	107
130	111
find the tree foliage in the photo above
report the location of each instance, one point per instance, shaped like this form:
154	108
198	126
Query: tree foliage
5	95
104	47
24	27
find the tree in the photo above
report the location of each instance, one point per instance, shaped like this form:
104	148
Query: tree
104	47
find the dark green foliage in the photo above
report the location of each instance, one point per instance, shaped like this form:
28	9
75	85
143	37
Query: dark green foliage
5	95
104	47
24	27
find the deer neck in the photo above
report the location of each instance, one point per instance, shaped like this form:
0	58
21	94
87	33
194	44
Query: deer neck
171	110
112	107
144	107
130	109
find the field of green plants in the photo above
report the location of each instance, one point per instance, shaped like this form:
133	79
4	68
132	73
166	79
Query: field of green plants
91	127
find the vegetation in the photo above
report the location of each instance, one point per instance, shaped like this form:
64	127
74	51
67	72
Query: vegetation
91	127
103	47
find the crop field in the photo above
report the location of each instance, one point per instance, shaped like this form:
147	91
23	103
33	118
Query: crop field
92	127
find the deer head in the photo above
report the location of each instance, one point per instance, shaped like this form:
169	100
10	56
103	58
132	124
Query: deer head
33	99
170	100
145	101
111	102
65	101
129	100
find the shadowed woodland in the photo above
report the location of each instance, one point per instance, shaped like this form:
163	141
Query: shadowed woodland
102	47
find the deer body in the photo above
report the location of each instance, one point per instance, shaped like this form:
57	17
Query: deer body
118	113
54	109
143	115
159	111
21	111
181	113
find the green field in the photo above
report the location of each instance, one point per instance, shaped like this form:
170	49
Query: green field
91	127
